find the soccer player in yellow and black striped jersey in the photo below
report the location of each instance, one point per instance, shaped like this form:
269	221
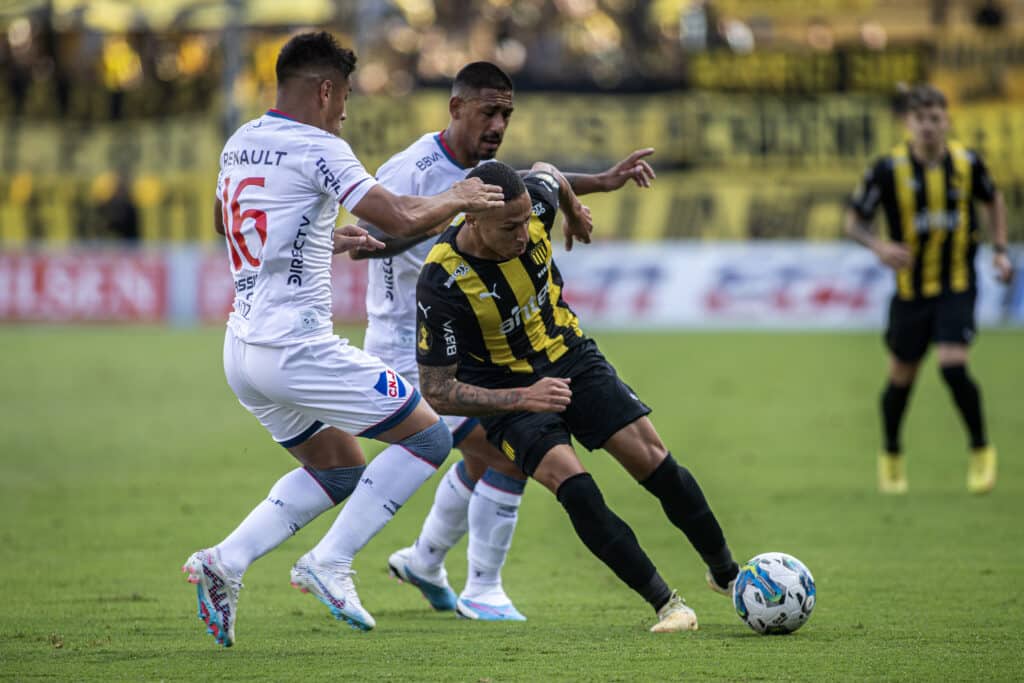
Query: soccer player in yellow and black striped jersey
927	188
497	340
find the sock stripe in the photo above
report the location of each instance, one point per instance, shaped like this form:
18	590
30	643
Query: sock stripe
462	474
416	455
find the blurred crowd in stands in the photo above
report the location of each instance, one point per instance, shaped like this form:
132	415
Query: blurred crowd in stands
83	59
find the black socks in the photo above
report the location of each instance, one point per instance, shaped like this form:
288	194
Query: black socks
894	405
685	506
610	539
968	401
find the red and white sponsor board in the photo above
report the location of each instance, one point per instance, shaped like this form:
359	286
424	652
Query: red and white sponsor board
610	285
744	285
83	286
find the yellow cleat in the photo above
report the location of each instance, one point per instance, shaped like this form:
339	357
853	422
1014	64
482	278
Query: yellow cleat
981	470
675	616
892	477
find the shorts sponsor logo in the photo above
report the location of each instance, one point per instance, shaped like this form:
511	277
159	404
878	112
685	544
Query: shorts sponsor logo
507	449
390	384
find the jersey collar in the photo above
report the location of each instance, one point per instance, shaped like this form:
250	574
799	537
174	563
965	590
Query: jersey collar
277	114
439	138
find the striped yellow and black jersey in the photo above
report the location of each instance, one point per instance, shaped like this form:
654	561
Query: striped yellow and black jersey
931	210
502	322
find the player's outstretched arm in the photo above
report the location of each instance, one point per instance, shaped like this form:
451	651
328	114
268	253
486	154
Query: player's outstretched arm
892	254
633	167
578	222
449	396
392	245
409	216
351	237
995	215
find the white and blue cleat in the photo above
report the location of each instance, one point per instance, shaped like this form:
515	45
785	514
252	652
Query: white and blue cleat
216	592
469	608
333	586
433	585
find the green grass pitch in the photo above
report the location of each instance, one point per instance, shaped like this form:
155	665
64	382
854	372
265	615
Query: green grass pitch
123	451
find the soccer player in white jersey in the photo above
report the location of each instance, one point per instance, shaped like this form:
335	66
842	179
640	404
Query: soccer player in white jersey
282	178
482	492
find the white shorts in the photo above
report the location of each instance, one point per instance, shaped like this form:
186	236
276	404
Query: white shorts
399	351
296	391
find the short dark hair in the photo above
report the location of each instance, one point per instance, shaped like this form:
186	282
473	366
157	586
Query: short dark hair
307	53
502	175
480	75
924	96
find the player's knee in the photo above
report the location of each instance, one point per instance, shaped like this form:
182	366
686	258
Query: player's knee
955	375
337	482
431	444
579	495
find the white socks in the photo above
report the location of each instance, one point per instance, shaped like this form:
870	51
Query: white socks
447	520
388	482
294	501
493	512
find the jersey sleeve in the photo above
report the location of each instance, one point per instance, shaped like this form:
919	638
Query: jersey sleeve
543	189
868	195
984	188
439	317
336	171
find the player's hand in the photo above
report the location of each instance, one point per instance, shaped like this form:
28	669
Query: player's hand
349	237
475	196
547	395
894	255
578	225
1004	267
632	168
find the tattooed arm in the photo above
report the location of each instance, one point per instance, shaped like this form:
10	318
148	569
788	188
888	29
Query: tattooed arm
449	396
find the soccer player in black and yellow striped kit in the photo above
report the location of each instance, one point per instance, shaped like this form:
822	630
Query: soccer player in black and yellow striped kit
927	187
497	340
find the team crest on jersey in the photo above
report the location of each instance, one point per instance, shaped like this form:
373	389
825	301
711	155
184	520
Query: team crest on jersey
424	338
390	384
540	253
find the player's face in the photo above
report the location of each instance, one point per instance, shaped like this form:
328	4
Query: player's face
334	97
480	121
928	125
505	232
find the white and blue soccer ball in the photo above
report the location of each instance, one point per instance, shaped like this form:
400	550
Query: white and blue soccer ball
774	593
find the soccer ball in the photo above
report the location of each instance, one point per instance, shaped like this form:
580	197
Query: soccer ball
774	593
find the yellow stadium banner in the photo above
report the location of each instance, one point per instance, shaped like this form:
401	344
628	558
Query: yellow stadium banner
730	166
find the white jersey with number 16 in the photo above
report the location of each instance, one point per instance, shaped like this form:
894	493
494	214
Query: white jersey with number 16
280	185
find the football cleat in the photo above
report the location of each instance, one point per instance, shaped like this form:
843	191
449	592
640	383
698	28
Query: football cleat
333	586
892	477
498	610
433	586
675	615
713	585
981	470
217	594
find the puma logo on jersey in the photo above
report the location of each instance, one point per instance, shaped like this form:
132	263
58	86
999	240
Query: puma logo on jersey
493	294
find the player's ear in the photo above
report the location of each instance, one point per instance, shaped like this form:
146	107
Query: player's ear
326	87
455	106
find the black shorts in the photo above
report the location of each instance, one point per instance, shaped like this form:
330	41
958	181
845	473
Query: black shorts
601	405
913	325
